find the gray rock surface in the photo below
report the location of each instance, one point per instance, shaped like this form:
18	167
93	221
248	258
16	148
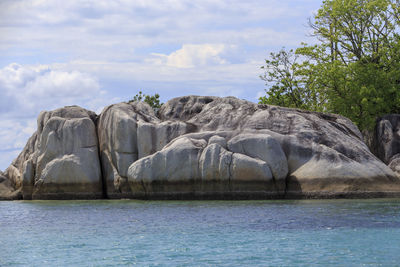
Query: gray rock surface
7	191
265	148
260	151
60	160
128	132
200	148
171	171
386	142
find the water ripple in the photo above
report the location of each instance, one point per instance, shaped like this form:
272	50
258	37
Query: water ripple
196	233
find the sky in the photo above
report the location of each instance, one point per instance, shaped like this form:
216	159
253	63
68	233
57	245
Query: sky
94	53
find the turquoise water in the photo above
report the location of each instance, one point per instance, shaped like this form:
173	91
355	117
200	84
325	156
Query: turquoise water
199	233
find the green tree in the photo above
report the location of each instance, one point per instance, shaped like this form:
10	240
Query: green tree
354	69
152	100
291	82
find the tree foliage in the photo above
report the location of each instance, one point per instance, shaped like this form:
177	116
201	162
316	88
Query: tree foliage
152	100
353	70
292	82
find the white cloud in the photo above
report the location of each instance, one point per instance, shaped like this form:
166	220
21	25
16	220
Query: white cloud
192	55
62	84
26	90
21	131
14	134
7	156
156	70
118	30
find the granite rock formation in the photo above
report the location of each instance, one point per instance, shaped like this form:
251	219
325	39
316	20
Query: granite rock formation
60	160
198	147
7	191
127	132
386	141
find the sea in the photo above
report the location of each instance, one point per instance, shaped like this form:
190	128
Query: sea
200	233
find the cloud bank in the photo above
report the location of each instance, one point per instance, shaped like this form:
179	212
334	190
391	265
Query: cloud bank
27	90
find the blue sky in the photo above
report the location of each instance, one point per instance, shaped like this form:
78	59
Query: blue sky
94	53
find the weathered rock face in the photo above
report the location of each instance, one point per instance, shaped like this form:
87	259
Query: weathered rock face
239	149
199	147
61	159
127	132
387	141
7	191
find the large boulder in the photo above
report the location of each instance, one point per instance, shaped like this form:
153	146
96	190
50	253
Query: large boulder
238	149
128	132
60	160
200	168
386	142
